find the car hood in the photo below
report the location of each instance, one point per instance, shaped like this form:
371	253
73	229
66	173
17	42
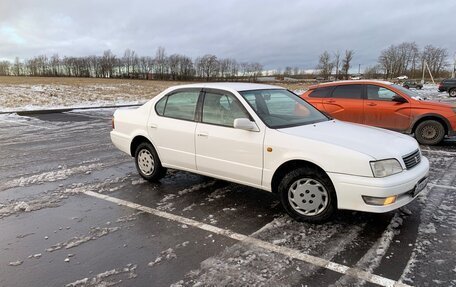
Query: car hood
375	142
436	104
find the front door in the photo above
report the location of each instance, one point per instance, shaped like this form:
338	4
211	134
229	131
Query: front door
381	111
222	150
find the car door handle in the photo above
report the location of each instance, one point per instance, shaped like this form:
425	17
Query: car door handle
153	126
371	104
329	102
202	134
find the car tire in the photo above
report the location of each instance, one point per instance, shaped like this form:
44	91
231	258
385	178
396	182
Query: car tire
429	132
452	92
148	164
419	87
308	194
407	87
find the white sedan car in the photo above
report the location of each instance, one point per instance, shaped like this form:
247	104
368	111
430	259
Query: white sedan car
269	138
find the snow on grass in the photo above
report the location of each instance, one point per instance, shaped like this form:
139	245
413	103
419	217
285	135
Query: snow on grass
27	93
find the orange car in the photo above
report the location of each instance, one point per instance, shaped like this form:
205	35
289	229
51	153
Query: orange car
385	105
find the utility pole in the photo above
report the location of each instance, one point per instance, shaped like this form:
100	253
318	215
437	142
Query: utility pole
454	66
359	69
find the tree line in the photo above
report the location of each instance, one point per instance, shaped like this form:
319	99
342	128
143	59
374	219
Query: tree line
131	65
396	60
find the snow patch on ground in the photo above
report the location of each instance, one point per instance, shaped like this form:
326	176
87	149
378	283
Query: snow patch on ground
247	265
49	176
94	233
107	278
167	255
53	199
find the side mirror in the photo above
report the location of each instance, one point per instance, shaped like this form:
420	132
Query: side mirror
245	124
398	99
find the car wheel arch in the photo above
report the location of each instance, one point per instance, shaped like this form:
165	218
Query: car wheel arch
434	117
287	166
137	140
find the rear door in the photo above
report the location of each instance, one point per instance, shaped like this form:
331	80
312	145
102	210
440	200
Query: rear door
173	129
316	97
345	103
381	111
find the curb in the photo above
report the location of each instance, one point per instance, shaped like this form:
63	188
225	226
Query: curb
62	110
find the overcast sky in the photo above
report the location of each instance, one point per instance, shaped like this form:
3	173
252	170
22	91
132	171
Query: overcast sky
274	33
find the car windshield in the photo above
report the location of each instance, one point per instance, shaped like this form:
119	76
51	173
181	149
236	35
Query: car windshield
408	92
281	108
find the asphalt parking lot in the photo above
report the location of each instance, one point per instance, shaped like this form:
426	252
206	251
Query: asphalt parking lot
74	212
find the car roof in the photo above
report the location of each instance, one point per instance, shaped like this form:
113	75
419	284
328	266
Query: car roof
346	82
236	86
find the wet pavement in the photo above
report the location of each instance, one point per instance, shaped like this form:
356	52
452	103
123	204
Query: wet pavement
190	230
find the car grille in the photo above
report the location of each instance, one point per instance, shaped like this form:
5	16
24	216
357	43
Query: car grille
412	159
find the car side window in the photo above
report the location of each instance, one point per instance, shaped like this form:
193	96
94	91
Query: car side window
180	105
222	109
348	92
378	93
160	106
321	92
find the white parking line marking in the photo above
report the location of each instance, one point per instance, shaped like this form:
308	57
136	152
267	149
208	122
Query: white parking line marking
22	123
292	253
442	186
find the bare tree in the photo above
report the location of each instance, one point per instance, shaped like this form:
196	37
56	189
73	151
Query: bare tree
337	64
207	66
5	68
288	70
346	62
108	63
436	58
399	59
161	63
372	72
325	65
55	65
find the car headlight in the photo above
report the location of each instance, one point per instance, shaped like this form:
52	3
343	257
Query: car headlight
385	167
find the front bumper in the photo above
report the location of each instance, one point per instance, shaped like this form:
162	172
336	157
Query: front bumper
351	188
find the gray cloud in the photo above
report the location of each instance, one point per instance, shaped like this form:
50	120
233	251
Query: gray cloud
274	33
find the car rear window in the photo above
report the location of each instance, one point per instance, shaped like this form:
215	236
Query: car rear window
321	92
348	92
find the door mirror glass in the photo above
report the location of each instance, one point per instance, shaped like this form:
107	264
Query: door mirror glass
245	124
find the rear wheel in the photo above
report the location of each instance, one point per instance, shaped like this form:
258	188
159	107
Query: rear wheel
308	195
147	163
429	132
452	92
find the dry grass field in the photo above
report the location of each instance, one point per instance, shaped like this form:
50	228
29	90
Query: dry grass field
37	92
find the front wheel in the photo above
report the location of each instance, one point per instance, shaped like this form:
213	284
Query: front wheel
452	92
308	195
429	132
148	164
